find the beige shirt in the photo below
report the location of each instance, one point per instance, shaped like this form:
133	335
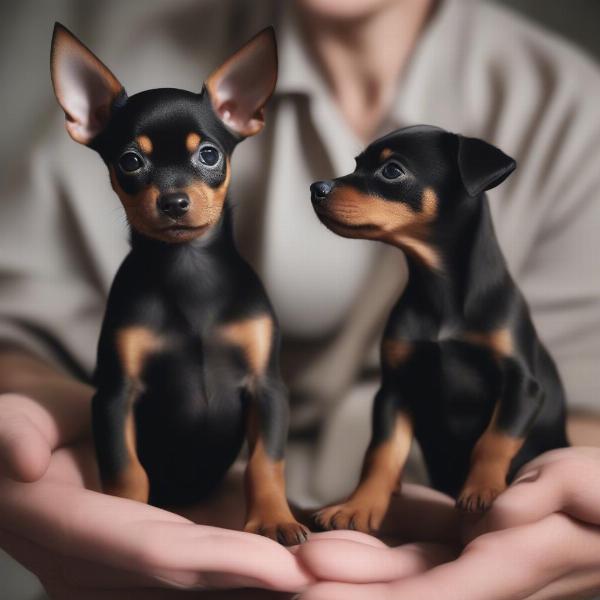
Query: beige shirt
477	70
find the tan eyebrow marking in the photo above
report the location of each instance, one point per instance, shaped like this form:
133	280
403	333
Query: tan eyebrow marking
145	144
385	154
192	141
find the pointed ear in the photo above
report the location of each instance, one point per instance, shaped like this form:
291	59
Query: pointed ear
83	85
240	88
481	165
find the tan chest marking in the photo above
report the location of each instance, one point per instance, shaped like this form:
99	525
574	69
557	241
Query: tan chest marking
254	337
395	352
500	341
134	345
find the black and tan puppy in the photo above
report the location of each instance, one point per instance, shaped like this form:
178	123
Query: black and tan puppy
462	366
188	354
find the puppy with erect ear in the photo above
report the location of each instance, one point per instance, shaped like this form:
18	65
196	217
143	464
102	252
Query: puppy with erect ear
85	88
188	328
141	137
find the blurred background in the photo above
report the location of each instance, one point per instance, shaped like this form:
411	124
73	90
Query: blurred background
29	108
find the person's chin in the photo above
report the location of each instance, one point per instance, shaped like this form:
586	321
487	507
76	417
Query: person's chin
343	9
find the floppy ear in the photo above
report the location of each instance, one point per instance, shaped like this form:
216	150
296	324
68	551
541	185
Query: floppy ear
240	88
83	85
481	165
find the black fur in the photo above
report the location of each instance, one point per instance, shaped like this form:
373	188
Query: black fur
448	385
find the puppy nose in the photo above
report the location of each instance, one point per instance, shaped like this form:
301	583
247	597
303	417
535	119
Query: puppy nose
319	190
174	205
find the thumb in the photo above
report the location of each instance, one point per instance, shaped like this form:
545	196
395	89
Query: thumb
24	451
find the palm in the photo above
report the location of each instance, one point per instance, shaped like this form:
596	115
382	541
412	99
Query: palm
84	543
540	541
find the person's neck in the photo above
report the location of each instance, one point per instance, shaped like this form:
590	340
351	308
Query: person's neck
362	59
466	256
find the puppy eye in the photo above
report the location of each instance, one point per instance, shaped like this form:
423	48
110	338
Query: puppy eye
130	162
209	156
392	170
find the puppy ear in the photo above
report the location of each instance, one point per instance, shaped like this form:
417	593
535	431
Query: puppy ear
481	165
83	85
240	88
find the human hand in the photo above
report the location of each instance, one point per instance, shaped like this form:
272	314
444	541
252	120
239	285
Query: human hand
540	541
84	544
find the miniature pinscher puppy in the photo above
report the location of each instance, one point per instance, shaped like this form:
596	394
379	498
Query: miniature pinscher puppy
188	354
463	369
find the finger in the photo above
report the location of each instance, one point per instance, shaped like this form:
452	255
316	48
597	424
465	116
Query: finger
567	480
128	535
578	584
60	404
351	561
24	450
495	570
346	534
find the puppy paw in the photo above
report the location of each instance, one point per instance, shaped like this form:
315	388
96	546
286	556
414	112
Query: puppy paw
351	515
287	533
478	498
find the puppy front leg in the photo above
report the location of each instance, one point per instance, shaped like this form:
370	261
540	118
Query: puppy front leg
121	473
382	467
492	456
267	509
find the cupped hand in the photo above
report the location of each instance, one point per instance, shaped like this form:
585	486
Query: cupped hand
540	541
85	544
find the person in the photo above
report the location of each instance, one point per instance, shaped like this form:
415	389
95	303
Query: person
348	71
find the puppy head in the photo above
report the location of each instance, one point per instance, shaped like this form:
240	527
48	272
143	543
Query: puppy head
167	150
408	184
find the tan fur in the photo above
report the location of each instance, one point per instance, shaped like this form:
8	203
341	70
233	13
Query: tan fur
267	509
382	468
490	462
254	337
145	144
395	352
134	344
132	481
499	340
351	213
385	154
206	207
192	141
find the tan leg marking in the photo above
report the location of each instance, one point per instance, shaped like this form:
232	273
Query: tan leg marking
132	482
192	141
254	337
145	144
267	509
382	467
500	341
134	345
490	462
395	352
